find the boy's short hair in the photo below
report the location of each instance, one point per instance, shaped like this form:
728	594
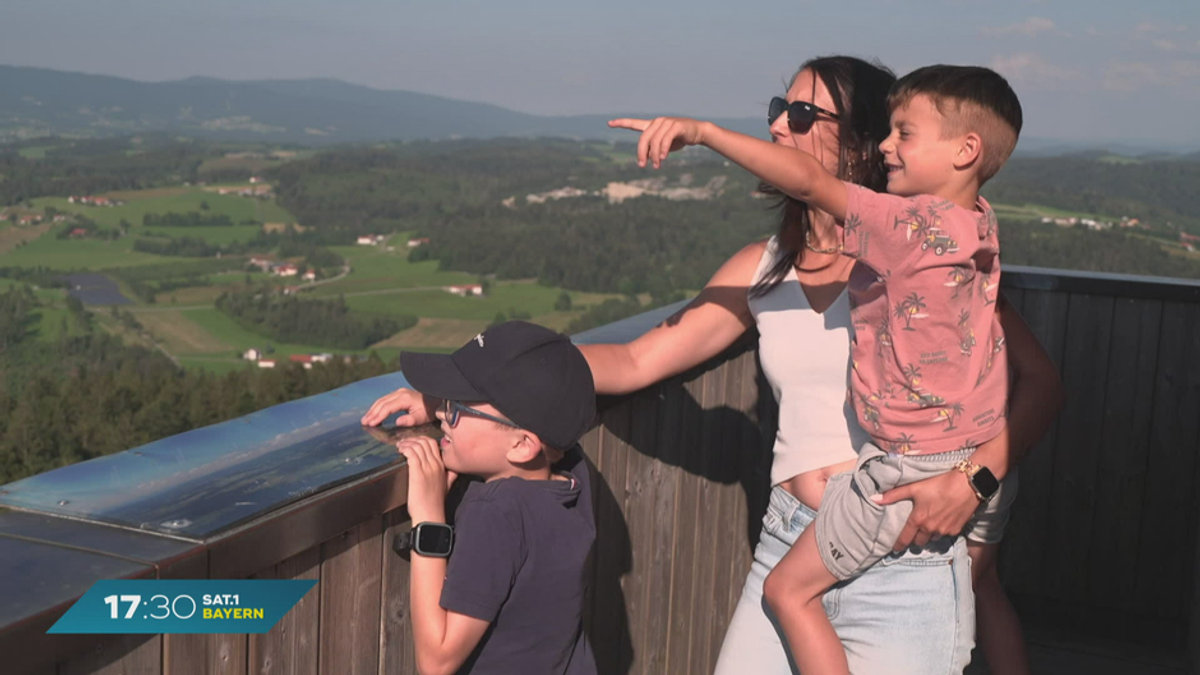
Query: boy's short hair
970	98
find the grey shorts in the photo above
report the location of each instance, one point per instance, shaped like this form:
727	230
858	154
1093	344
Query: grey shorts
854	532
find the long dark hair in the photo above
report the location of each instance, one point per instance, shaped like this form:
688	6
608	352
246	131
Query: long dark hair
859	91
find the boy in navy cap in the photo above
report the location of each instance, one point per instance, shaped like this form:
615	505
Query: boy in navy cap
502	591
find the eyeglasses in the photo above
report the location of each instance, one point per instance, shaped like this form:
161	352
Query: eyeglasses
801	114
453	410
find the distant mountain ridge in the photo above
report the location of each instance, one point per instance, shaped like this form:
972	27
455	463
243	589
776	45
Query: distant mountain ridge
323	111
37	102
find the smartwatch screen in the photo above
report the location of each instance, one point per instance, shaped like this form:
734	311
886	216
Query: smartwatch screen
986	483
434	538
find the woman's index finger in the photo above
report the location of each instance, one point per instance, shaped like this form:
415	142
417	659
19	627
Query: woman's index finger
629	123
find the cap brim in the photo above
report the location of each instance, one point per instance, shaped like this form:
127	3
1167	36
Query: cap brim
436	375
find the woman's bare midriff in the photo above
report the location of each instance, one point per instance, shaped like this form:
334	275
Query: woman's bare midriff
809	487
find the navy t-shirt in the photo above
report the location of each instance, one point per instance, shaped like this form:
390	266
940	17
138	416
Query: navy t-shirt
520	548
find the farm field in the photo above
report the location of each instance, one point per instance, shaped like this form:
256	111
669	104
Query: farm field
184	322
1039	211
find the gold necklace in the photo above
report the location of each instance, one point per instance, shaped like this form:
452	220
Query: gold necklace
808	245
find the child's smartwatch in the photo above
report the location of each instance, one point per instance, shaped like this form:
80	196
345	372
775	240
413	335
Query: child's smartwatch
981	478
433	540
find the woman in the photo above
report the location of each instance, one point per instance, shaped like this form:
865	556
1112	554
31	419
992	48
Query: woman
911	613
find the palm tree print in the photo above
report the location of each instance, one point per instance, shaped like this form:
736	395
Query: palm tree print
948	414
883	335
909	308
912	221
853	222
903	444
959	278
913	373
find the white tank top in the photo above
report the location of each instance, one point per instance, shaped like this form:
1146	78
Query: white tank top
805	357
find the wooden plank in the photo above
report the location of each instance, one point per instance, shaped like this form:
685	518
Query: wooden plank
1068	550
290	647
1122	455
397	655
753	459
682	597
709	522
1025	540
1164	572
351	579
610	629
730	526
664	489
227	654
639	509
187	654
120	655
1015	297
590	444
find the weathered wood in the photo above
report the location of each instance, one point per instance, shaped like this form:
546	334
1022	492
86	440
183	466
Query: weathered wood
590	444
610	621
397	655
1022	562
121	655
1165	570
639	508
1121	457
1068	551
665	477
682	598
187	654
351	581
227	654
290	647
730	525
711	521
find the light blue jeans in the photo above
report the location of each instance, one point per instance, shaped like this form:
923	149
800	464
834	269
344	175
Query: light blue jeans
912	613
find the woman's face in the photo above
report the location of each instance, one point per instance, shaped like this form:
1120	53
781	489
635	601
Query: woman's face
821	141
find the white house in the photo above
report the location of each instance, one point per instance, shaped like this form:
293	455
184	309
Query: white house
310	276
251	354
286	270
367	240
463	290
266	364
413	243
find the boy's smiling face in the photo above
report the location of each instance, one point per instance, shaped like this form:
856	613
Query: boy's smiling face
919	160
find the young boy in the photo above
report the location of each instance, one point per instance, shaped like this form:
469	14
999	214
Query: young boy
510	599
928	377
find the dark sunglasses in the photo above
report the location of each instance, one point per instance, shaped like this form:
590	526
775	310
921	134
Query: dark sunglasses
801	115
453	410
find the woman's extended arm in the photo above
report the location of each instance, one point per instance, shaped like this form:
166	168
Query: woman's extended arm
942	505
715	319
794	172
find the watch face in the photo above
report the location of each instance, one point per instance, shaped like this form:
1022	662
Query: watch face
985	482
434	539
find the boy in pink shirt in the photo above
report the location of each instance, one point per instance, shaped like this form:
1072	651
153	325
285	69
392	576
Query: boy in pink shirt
929	379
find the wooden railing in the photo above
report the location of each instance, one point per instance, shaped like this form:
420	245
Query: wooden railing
1103	536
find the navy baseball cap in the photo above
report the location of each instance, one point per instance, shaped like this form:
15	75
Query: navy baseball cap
532	375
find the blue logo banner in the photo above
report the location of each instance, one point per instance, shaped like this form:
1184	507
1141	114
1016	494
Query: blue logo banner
179	606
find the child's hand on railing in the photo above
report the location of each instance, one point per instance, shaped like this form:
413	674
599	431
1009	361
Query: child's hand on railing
418	408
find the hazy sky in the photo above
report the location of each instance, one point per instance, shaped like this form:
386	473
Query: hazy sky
1085	69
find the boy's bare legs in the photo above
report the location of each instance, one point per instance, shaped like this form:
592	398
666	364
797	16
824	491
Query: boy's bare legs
998	630
793	591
